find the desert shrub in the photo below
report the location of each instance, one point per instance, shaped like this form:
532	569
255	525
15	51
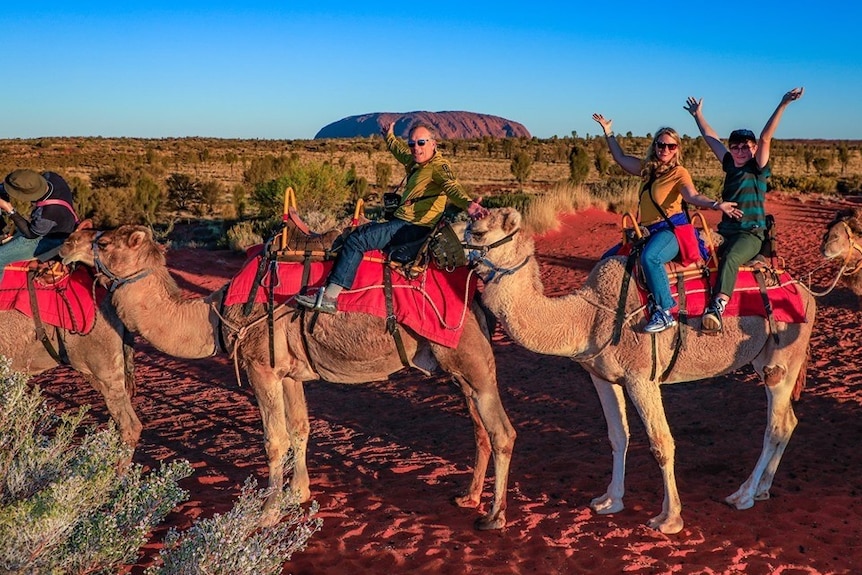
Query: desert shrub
579	164
318	187
242	236
211	193
184	191
85	204
519	201
233	544
709	186
618	194
382	174
849	185
805	184
520	167
149	201
266	168
64	508
114	177
112	206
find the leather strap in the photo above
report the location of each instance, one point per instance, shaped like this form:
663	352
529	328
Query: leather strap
391	322
41	335
767	305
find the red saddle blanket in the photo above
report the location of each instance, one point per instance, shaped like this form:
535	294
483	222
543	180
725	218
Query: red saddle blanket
785	297
67	304
432	305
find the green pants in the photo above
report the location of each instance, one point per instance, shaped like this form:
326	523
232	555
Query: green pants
736	250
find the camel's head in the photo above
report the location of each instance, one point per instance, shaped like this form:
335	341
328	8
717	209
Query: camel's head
489	241
78	247
841	233
120	253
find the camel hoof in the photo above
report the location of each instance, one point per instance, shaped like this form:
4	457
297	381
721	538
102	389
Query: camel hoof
466	501
762	496
740	502
489	522
665	525
605	505
269	517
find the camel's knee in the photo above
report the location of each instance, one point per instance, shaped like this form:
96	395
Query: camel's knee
774	375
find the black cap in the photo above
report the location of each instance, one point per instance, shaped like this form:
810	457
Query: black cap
741	136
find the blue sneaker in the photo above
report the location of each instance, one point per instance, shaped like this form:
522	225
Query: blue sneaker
659	321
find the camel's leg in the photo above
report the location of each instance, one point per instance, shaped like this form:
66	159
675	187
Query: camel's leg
646	397
614	408
267	387
780	423
473	495
296	411
473	364
113	389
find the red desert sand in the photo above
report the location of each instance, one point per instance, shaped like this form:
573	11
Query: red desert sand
386	459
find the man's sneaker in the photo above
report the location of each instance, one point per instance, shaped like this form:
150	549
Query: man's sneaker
659	321
711	319
317	302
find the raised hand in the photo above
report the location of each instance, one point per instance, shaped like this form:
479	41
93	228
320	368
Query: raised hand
693	106
604	123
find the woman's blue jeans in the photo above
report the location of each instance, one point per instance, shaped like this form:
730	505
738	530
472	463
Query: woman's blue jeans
659	249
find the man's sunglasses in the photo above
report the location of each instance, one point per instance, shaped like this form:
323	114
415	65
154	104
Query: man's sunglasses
420	143
669	145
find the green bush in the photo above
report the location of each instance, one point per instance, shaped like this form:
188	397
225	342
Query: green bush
318	187
65	508
519	201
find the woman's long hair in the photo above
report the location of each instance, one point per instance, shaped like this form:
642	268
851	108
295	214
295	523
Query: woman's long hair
651	163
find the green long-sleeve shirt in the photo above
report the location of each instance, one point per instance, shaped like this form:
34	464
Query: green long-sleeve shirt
427	187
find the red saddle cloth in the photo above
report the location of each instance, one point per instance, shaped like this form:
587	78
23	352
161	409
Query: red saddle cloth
785	297
432	305
67	304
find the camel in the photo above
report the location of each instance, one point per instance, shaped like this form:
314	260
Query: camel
100	356
581	325
349	348
840	241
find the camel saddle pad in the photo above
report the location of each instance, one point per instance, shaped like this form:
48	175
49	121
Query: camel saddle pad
67	303
432	304
785	297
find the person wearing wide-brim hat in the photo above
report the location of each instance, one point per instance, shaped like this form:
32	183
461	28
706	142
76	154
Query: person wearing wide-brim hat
52	216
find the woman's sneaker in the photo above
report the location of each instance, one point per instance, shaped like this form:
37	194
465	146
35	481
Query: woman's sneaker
711	319
659	321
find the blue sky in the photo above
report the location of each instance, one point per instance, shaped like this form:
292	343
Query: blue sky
283	70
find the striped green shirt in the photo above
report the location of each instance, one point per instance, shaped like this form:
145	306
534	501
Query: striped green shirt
745	185
427	187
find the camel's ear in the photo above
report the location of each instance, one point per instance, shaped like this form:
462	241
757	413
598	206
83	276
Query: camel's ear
84	225
511	219
137	238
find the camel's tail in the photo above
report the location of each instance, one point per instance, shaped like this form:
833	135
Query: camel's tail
129	362
802	375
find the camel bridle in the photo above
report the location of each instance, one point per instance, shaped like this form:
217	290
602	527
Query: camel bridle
853	246
115	280
478	255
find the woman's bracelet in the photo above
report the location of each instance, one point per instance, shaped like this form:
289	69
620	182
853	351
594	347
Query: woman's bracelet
611	135
715	205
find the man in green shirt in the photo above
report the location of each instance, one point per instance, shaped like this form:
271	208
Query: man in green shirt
429	185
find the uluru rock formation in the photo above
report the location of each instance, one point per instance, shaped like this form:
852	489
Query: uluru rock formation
449	125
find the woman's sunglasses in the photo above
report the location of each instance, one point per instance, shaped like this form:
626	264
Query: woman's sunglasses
420	143
668	145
